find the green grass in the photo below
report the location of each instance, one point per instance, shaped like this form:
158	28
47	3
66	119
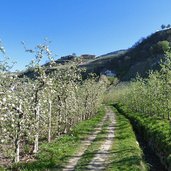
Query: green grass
92	149
57	153
2	169
126	155
153	130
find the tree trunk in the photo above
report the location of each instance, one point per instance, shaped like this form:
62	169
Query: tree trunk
17	150
36	140
59	123
17	146
17	138
50	121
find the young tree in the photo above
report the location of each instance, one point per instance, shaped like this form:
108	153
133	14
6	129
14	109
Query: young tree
163	26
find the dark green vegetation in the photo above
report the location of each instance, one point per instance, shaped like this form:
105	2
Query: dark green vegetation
126	155
2	169
145	55
57	153
149	95
112	54
155	132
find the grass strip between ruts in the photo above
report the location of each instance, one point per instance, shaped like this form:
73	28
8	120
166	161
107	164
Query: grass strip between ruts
93	148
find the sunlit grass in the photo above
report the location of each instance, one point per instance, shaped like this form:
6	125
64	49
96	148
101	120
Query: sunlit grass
126	154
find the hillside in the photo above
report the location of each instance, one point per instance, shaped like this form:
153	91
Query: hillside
145	55
111	54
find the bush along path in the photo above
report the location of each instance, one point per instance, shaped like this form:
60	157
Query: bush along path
154	134
126	154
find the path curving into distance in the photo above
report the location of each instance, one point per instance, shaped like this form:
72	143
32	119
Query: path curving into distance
100	159
84	145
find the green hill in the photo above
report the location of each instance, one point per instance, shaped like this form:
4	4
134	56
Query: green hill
145	55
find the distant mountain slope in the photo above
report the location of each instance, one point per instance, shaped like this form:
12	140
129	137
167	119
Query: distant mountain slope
142	57
115	53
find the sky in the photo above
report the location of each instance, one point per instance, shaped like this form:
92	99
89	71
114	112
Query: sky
78	26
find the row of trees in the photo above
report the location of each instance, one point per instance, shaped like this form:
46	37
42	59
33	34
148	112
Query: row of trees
151	95
165	26
45	106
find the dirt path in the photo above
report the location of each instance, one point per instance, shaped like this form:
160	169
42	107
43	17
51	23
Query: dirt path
84	145
100	159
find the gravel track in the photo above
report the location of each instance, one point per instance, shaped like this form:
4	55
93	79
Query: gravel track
84	145
100	159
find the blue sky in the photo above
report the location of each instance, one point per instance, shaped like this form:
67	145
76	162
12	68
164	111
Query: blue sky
78	26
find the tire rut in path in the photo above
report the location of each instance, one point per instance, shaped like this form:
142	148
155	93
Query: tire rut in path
100	159
84	145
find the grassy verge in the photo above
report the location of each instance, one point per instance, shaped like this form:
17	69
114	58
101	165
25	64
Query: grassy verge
92	149
126	154
2	169
56	153
155	131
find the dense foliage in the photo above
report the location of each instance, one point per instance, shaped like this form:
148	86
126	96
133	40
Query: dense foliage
39	109
155	132
126	153
147	103
152	95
